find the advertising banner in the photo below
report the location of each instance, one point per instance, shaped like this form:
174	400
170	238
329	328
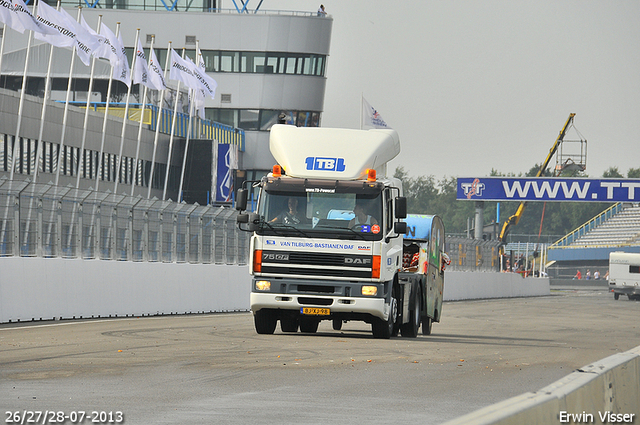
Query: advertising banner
226	163
548	189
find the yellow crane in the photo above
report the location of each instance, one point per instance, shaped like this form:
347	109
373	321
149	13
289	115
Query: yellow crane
515	218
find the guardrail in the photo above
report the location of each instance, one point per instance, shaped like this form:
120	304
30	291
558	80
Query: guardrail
606	391
44	220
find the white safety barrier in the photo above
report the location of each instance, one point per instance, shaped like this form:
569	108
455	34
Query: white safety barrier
607	391
34	288
470	285
57	288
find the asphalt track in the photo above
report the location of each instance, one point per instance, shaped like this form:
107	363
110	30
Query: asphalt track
214	369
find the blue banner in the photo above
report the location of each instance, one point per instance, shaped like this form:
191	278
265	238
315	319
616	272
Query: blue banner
548	189
224	177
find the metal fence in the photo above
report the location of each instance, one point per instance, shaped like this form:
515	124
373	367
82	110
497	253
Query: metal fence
44	220
472	254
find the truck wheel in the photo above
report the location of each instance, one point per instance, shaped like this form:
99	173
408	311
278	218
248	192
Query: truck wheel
410	329
289	324
427	322
337	324
616	296
308	325
265	321
384	329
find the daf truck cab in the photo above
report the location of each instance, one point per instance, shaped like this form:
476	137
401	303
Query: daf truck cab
328	238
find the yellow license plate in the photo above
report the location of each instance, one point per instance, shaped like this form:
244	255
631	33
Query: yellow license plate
314	311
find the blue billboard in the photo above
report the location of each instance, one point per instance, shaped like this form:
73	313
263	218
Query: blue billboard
547	189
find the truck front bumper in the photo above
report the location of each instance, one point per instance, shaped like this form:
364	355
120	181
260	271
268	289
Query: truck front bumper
342	305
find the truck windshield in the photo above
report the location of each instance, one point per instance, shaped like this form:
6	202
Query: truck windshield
339	214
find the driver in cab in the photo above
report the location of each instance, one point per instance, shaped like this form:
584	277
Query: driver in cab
292	216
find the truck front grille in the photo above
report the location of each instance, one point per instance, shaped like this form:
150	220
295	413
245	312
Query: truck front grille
316	264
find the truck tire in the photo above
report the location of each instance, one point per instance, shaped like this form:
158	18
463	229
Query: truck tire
427	322
385	329
616	296
309	325
289	324
337	324
410	329
265	321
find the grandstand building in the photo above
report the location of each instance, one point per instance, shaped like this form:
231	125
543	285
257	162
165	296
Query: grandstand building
588	247
267	64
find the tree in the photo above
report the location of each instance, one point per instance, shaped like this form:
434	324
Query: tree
612	172
633	173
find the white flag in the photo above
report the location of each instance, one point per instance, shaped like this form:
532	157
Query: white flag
86	41
108	49
199	95
22	19
6	13
121	70
156	76
206	83
370	117
140	69
181	70
101	47
48	16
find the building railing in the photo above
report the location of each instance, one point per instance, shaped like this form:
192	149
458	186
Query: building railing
200	128
44	220
587	227
178	5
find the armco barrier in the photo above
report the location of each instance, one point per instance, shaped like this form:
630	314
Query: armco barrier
606	391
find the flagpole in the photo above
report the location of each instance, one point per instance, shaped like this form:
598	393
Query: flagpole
66	102
16	140
173	125
104	121
4	35
47	87
158	121
144	104
186	145
361	110
126	113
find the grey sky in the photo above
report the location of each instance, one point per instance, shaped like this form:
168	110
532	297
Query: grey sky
475	85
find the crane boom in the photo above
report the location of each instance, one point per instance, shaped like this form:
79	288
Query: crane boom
515	218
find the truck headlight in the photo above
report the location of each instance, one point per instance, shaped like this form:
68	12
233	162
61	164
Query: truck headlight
263	285
370	290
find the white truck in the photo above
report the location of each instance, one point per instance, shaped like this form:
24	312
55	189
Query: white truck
313	258
624	274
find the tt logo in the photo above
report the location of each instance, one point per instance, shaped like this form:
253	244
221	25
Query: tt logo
471	189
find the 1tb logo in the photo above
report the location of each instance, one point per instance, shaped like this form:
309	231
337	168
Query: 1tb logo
325	164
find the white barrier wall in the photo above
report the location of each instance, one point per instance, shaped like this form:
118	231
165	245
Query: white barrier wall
473	285
607	391
48	288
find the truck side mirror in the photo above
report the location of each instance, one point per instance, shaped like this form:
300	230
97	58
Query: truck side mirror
242	218
241	200
400	227
401	207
